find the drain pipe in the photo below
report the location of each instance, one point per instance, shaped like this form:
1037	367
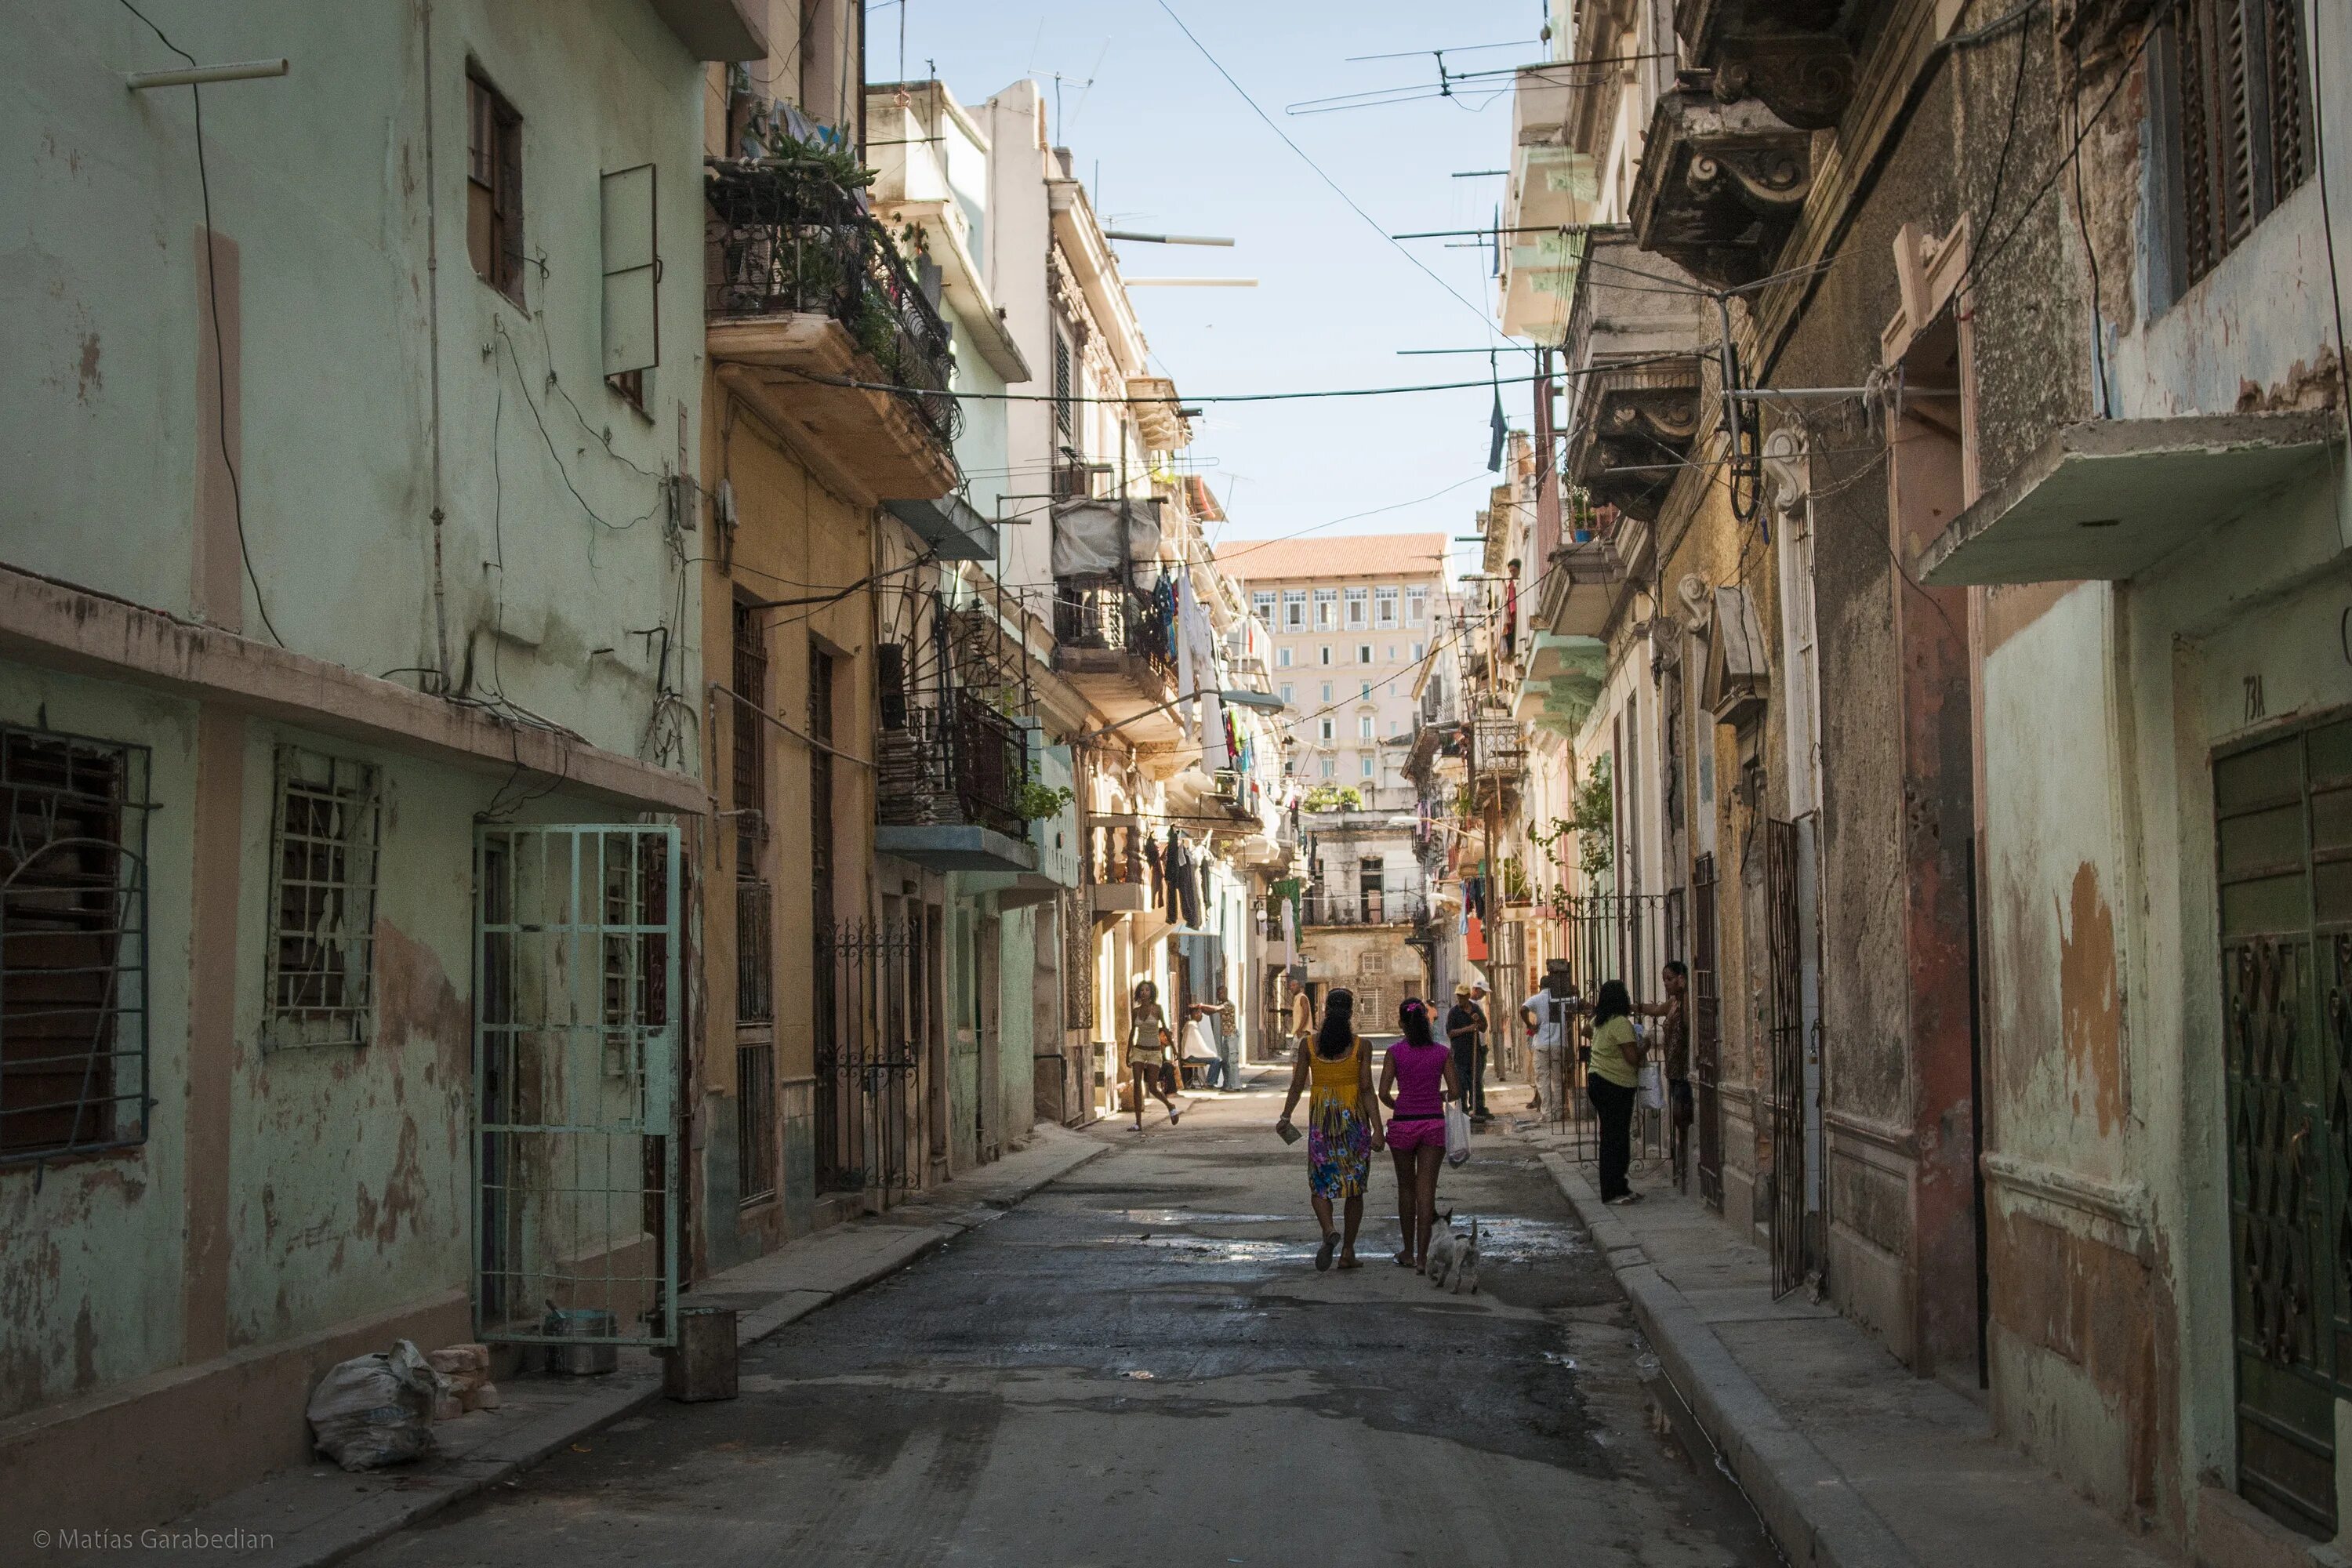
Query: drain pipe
433	350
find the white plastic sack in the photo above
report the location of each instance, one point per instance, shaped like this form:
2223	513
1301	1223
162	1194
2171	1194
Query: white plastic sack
1651	1094
1094	537
1458	1133
376	1410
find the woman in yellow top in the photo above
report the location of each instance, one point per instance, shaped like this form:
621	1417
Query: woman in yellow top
1343	1125
1611	1078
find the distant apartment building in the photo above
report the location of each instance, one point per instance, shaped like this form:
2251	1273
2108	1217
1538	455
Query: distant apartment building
1351	619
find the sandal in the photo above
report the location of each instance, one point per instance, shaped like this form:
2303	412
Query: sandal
1351	1262
1172	1115
1323	1254
1405	1259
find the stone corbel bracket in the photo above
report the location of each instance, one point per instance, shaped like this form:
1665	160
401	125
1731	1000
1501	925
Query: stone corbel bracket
1721	184
1639	423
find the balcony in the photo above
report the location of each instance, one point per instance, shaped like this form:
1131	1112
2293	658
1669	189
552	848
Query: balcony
1117	877
1785	53
949	779
1366	907
1721	185
803	292
1562	681
1115	641
1501	749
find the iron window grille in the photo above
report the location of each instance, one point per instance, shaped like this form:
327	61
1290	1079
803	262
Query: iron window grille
755	952
323	863
73	945
755	1122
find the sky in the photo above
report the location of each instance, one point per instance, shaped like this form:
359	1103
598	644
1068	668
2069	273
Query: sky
1165	143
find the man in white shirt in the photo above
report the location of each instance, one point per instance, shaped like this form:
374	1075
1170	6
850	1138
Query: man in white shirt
1545	1015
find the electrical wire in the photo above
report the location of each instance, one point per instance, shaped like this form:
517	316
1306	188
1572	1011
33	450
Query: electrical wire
1485	320
220	348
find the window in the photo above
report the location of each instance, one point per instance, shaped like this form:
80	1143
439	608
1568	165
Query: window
1262	603
1285	694
1330	767
73	970
2242	141
1416	606
321	954
632	295
1363	653
1294	609
1396	726
1282	657
1384	606
1365	762
1065	405
751	750
1327	602
1326	692
1326	730
1420	651
1367	694
1388	652
1357	598
1363	726
1326	653
494	188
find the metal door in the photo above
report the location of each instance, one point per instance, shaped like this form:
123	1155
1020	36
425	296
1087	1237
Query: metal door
2283	833
575	1083
866	1055
1707	1032
1785	1106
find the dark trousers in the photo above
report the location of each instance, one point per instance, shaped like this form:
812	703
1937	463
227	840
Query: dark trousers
1614	1104
1470	1074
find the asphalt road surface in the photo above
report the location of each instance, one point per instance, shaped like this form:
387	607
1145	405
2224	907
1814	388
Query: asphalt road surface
1140	1364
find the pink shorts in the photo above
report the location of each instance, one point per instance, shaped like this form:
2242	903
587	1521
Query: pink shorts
1408	1136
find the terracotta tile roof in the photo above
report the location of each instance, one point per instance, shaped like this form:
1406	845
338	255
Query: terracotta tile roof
1405	555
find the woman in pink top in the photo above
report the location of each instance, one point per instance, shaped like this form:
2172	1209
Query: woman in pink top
1415	1083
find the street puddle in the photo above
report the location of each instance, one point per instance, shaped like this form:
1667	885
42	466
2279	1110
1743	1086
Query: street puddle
1202	1216
1215	1249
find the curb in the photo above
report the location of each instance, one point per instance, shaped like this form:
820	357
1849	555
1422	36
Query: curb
511	1453
1813	1512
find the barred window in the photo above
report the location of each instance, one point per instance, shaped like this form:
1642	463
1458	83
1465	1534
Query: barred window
2243	144
73	945
322	953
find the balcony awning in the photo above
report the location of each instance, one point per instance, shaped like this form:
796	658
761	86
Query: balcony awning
2108	498
955	847
950	526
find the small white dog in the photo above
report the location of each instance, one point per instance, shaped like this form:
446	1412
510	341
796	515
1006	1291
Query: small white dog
1454	1259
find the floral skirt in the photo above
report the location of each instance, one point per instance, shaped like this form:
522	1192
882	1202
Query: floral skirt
1338	1151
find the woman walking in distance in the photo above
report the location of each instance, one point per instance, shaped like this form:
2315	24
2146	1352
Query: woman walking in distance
1147	1049
1415	1083
1343	1124
1615	1074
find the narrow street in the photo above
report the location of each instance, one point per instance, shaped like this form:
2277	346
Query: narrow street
1140	1364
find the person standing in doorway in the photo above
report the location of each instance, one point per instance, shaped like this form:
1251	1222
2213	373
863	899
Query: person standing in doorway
1545	1015
1302	1015
1343	1125
1417	1081
1147	1051
1616	1072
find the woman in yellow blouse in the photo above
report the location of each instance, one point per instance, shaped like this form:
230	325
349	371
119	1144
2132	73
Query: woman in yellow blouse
1343	1124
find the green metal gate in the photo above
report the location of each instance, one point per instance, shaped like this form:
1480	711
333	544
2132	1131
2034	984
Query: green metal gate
575	1083
2282	812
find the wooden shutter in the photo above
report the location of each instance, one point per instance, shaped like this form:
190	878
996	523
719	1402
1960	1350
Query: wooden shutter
510	201
2244	142
632	271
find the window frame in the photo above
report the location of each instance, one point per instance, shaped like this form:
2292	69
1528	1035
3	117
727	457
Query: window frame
356	790
497	170
119	1117
1384	605
1357	598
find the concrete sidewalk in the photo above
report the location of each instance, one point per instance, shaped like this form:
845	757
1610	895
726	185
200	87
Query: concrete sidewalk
1852	1461
319	1514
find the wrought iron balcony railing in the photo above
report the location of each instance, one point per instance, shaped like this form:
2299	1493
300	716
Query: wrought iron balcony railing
1106	611
783	237
1368	907
954	759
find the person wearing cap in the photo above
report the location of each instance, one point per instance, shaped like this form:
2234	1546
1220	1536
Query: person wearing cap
1545	1015
1478	995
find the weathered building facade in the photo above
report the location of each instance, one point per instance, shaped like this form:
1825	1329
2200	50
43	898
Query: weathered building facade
340	477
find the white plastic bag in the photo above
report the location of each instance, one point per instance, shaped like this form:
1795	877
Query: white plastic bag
1457	1132
376	1410
1651	1094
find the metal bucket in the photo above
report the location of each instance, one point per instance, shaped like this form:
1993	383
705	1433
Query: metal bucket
701	1366
595	1327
